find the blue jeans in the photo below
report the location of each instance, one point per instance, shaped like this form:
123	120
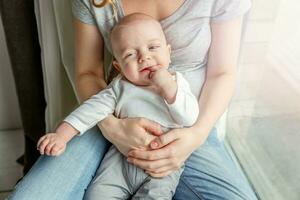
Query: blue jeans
210	173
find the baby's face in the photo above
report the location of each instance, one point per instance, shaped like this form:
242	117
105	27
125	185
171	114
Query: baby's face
140	48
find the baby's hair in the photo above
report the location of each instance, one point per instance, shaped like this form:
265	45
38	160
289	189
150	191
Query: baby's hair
129	18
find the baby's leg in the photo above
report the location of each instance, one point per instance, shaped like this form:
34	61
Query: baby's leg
158	188
110	181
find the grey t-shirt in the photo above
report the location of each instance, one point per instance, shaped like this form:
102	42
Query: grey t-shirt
187	30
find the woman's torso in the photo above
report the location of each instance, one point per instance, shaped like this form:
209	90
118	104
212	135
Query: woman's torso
186	24
157	9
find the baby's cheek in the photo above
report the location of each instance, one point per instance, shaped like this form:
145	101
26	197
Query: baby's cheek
131	75
164	60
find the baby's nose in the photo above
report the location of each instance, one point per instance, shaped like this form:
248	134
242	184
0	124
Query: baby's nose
143	57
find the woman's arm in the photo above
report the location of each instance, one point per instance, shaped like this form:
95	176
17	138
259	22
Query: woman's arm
125	134
214	99
89	73
221	73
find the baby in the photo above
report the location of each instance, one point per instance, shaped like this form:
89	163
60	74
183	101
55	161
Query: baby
144	88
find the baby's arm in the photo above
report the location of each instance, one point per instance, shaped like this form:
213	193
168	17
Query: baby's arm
185	108
79	121
182	103
54	144
92	111
164	84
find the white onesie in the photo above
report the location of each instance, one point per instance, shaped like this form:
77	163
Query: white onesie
116	178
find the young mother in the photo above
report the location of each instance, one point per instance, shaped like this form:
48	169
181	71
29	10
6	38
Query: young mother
205	39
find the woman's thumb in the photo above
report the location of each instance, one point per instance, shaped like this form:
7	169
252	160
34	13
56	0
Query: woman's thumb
153	128
164	139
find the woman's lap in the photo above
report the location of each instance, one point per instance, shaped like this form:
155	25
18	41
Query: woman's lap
209	172
67	176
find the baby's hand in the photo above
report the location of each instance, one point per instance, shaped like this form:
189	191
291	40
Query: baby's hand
158	77
161	80
51	144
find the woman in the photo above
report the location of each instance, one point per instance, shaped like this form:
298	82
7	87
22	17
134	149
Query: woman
205	37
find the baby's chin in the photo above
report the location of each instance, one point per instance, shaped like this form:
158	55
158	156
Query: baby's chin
144	82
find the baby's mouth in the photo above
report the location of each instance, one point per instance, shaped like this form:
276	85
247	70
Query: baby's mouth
146	69
149	70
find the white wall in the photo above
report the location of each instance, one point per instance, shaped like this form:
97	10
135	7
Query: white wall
263	122
9	109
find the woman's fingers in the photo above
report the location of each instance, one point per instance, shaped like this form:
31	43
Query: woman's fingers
160	170
164	139
148	165
158	166
152	155
151	127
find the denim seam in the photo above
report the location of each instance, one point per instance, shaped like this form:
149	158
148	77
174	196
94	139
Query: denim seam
191	188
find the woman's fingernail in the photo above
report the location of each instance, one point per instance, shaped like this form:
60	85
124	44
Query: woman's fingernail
129	160
154	144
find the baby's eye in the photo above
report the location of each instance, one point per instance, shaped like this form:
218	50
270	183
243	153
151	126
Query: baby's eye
128	55
154	47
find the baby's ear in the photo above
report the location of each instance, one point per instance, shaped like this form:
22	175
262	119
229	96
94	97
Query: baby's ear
116	65
169	47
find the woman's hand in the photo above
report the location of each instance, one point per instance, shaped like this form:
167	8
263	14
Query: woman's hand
129	133
169	151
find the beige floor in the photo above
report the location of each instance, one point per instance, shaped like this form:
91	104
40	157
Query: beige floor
11	148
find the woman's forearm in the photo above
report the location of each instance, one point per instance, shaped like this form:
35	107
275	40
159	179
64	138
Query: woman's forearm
107	123
89	84
214	99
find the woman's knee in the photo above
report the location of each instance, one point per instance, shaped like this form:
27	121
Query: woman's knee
211	174
73	170
205	187
91	140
